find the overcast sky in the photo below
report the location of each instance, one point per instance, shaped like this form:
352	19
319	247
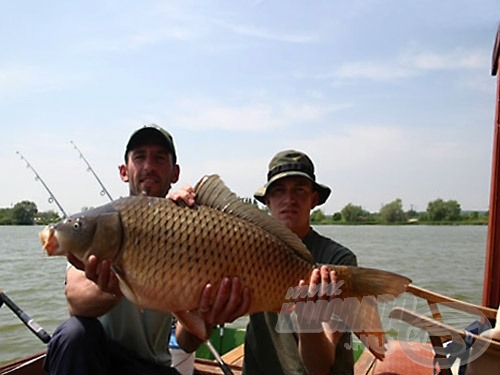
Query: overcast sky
391	98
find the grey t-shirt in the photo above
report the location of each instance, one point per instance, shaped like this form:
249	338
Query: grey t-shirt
144	332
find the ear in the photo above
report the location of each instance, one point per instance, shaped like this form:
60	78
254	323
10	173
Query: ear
123	172
176	173
314	199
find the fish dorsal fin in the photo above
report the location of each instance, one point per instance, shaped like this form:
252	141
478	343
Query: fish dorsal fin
212	192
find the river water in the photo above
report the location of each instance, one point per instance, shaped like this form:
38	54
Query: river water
445	259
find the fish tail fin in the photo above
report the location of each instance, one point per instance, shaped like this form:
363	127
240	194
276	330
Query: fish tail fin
360	282
361	290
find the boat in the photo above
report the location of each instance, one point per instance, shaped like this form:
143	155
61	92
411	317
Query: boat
33	365
477	355
230	362
431	357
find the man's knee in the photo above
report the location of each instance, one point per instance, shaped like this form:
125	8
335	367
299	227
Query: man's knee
78	331
73	344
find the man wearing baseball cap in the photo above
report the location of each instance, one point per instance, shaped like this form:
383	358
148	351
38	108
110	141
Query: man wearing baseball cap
290	193
108	334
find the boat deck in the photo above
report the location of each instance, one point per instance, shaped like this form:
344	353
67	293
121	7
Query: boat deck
233	358
398	361
401	360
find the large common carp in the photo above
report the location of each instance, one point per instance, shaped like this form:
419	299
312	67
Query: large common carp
164	254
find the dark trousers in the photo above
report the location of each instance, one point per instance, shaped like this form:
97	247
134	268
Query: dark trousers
79	346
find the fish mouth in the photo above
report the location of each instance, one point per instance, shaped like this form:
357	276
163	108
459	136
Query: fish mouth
49	240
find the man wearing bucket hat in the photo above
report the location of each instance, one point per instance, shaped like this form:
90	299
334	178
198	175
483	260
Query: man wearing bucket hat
290	193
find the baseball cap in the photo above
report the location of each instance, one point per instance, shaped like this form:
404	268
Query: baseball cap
151	134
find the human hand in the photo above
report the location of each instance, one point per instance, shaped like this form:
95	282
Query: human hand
77	263
322	285
231	301
100	272
185	194
312	304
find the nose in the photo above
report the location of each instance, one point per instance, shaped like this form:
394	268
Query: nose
148	164
289	195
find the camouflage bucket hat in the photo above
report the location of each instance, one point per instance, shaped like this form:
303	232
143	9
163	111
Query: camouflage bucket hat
292	163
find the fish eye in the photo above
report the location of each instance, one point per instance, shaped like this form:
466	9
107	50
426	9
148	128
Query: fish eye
77	225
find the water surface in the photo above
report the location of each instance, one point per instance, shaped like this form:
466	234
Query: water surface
446	259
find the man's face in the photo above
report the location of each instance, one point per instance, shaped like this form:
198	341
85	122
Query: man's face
290	200
149	171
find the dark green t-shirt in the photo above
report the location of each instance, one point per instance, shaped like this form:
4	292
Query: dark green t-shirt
270	352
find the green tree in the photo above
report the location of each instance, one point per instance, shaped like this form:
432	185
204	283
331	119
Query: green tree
454	210
353	214
393	212
439	210
337	216
317	216
411	214
23	213
436	210
47	217
5	216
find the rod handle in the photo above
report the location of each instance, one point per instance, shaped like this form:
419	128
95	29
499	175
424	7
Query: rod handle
30	323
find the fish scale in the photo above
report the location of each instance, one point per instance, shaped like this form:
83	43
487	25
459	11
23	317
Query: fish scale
145	265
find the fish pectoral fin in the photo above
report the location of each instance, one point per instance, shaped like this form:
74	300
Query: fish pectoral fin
357	305
193	322
363	318
125	288
375	342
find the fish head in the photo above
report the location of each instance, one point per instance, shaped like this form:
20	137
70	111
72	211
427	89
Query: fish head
91	232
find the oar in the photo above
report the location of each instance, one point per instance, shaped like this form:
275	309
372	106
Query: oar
30	323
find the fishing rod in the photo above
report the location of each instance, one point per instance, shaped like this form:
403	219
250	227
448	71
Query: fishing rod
223	365
52	198
35	328
104	191
30	323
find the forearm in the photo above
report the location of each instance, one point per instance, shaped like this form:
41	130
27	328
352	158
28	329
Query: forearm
84	297
188	341
317	352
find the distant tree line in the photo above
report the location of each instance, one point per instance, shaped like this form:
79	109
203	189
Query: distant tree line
26	213
438	212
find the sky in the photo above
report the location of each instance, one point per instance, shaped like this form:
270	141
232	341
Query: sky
392	99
